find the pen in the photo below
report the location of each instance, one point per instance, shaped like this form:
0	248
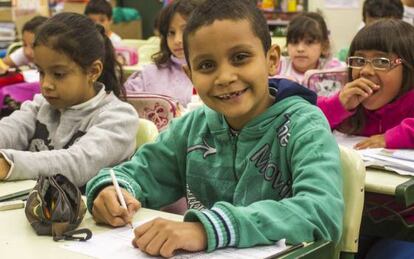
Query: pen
286	251
119	193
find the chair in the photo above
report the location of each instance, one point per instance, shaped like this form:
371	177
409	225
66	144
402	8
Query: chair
160	109
326	81
146	51
13	47
353	171
147	132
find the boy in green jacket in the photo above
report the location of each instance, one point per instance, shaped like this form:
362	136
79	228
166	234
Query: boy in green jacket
257	163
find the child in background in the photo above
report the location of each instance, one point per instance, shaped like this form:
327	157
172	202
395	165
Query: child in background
257	163
308	47
100	11
408	11
77	126
24	55
377	102
166	75
373	10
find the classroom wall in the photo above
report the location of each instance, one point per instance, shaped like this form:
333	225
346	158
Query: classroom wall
342	23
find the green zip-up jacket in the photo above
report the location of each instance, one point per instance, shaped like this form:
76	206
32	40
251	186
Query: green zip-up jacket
279	177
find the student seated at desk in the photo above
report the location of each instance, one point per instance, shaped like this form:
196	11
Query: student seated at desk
100	11
377	102
166	76
24	55
308	47
257	164
77	126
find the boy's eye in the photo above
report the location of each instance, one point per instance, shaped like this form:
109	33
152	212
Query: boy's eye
205	66
240	57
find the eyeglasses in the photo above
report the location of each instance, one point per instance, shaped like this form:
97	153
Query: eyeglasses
381	64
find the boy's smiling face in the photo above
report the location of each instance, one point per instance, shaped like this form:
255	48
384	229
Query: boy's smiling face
230	70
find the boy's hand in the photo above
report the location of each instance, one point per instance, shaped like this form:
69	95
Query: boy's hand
107	209
4	167
376	141
355	92
163	237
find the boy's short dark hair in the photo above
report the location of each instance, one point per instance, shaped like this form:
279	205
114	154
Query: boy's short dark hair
99	7
33	23
236	10
382	9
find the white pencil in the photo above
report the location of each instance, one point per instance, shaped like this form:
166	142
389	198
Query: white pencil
119	193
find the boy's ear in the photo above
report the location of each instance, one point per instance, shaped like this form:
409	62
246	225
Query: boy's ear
187	71
95	70
273	58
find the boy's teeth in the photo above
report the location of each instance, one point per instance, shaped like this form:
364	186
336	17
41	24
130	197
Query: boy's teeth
228	96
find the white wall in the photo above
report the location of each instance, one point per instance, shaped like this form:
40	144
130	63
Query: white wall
342	23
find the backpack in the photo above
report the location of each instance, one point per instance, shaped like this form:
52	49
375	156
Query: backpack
325	81
160	109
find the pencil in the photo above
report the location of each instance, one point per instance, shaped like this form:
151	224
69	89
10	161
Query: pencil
119	193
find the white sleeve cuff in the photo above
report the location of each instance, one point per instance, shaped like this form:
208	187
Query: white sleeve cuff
10	163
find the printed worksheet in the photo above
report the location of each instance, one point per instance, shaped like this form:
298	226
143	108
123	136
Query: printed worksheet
116	243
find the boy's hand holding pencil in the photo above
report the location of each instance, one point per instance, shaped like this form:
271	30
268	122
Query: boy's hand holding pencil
107	207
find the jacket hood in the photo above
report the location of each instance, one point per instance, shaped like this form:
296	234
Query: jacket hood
287	88
288	94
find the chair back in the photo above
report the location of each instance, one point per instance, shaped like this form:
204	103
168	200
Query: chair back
326	81
160	109
13	47
353	171
147	132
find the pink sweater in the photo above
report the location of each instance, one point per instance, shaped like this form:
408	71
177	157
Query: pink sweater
395	119
171	81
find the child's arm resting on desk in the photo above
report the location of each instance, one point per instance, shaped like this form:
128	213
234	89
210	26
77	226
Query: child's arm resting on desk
108	141
152	175
313	212
402	135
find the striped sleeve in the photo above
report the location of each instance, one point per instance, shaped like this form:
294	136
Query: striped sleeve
220	226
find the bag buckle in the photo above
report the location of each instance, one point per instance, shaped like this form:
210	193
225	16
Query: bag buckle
82	234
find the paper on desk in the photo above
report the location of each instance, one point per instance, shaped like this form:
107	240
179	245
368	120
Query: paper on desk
347	140
116	243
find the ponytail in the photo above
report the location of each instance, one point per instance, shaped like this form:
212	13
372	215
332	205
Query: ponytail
112	73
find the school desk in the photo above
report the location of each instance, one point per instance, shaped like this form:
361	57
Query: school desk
18	239
388	194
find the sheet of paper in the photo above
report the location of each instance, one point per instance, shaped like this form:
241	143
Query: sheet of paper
347	140
116	243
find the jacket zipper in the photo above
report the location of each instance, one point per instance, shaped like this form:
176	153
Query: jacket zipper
234	140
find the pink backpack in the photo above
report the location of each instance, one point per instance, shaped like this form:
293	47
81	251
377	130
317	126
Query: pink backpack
126	55
160	109
326	81
12	96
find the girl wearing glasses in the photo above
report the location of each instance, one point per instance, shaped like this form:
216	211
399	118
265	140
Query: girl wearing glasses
378	100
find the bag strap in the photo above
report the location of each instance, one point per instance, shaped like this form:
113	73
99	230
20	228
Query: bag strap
75	235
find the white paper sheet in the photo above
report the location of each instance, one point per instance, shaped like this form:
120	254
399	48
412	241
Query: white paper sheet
116	243
347	140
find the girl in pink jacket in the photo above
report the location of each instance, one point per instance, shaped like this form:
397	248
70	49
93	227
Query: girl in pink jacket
378	102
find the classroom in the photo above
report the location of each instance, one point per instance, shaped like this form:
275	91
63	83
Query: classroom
207	129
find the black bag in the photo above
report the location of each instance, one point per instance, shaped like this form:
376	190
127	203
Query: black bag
55	207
